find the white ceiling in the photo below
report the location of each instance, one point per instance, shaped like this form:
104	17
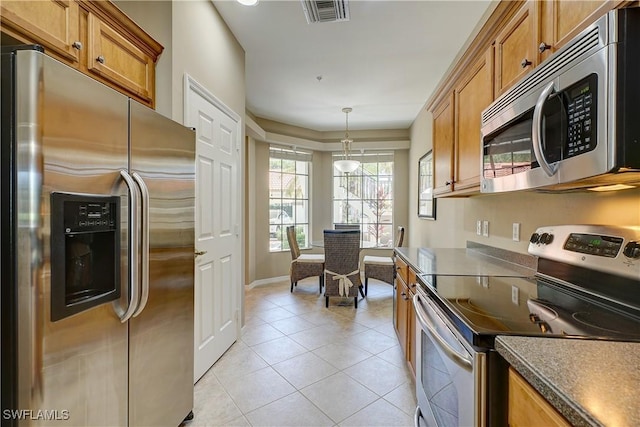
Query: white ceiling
384	63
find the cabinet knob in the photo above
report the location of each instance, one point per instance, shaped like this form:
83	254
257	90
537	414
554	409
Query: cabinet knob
100	59
77	45
543	46
525	62
448	183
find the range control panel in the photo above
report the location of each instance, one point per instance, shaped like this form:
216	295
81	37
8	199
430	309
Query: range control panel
604	248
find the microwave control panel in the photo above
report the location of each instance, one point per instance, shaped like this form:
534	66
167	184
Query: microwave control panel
581	111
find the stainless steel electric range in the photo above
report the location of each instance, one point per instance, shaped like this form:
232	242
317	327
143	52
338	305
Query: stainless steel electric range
586	286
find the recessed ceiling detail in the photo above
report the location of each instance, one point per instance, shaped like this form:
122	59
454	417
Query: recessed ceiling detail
317	11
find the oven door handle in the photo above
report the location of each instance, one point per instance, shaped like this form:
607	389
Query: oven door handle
462	360
536	132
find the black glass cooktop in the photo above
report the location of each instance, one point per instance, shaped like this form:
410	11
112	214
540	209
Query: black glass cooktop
482	307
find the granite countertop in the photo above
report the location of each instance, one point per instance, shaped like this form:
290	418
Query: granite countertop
467	262
590	382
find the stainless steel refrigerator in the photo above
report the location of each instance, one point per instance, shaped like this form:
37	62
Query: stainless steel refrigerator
97	261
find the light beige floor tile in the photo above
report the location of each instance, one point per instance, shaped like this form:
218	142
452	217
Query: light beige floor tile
237	362
319	336
394	356
387	329
274	314
379	413
256	334
292	410
305	369
377	375
277	350
292	325
257	389
342	354
213	405
339	396
403	397
374	342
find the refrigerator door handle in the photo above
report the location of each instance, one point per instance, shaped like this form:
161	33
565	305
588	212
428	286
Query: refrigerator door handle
144	297
133	248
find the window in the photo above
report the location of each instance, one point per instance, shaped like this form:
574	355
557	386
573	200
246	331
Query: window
365	197
288	196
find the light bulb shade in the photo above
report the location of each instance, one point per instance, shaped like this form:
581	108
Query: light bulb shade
346	166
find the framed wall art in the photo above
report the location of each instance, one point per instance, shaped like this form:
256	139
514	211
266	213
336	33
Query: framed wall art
426	201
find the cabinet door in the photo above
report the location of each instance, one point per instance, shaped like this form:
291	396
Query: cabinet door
473	95
527	407
52	24
560	21
443	146
516	50
115	58
402	313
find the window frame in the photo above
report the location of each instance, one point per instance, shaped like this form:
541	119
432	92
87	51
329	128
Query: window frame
290	205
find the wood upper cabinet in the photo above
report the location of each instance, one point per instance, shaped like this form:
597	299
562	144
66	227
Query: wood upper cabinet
527	407
560	21
95	37
53	24
516	47
473	94
443	146
117	59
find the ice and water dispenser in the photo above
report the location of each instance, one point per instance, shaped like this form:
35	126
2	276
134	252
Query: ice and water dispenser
85	252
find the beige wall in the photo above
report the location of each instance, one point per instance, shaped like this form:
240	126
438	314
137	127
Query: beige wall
455	222
265	265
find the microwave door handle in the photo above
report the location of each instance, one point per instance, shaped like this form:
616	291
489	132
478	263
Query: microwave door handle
462	360
133	248
144	255
536	132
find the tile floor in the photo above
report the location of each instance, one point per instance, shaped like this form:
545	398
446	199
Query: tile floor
298	363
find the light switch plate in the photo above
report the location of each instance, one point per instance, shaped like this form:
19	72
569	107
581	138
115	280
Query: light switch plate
479	228
515	295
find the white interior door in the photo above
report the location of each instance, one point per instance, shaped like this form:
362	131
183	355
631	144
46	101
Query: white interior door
217	268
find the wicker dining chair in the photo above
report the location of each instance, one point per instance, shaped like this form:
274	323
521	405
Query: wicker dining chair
379	267
341	266
347	226
305	265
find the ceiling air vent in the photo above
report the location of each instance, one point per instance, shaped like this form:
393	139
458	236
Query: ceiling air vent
325	10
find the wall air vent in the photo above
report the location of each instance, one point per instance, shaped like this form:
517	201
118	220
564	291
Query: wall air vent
325	10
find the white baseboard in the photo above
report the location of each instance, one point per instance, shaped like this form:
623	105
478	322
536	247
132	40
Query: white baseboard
268	281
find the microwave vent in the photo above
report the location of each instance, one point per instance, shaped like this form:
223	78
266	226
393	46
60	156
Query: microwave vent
578	50
317	11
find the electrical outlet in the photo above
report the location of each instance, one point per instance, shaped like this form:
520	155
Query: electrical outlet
479	228
516	232
515	295
485	228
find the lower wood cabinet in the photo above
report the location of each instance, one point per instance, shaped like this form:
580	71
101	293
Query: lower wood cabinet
404	313
527	407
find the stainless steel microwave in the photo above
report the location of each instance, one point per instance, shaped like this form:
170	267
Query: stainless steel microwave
574	122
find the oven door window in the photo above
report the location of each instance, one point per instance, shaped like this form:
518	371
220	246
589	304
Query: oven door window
449	387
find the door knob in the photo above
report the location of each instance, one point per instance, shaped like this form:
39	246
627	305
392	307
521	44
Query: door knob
198	253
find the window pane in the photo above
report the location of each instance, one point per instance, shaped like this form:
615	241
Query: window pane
366	197
288	197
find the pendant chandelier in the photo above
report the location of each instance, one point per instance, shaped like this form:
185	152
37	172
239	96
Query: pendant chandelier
346	164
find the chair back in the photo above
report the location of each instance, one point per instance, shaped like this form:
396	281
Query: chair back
347	226
293	243
400	236
341	250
